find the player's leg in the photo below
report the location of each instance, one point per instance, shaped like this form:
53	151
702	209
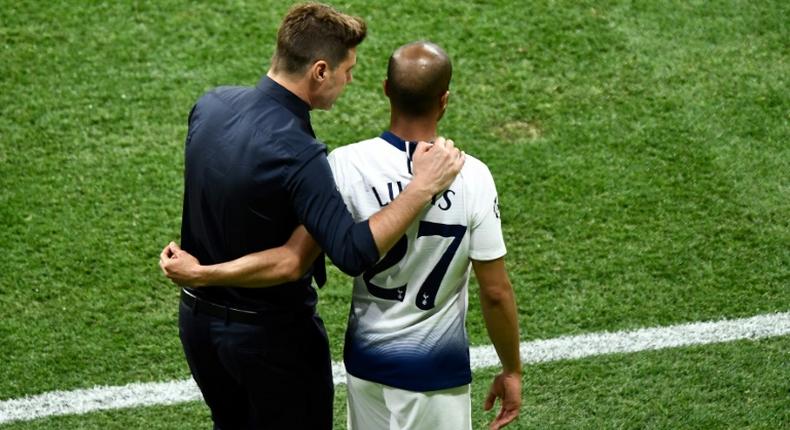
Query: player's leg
285	368
449	409
366	407
319	401
223	395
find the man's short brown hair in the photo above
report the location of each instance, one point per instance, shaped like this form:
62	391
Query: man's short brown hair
312	32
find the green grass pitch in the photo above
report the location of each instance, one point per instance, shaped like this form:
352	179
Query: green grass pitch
641	151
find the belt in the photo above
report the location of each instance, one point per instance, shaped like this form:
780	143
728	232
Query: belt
227	313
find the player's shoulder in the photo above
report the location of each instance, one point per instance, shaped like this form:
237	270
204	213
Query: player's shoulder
223	94
357	150
473	166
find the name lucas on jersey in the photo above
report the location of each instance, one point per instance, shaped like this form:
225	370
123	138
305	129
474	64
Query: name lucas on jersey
441	201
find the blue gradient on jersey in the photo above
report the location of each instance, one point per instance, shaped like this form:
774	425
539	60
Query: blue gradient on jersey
432	362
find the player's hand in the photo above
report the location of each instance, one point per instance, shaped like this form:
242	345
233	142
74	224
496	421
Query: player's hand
507	388
436	165
180	266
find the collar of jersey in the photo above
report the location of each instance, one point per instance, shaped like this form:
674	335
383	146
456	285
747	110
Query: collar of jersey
399	143
286	98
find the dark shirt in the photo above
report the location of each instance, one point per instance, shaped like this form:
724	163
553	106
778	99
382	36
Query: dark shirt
253	172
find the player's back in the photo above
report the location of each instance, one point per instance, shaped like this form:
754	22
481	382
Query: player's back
406	326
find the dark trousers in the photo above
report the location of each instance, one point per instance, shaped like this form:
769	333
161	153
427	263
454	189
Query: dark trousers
272	375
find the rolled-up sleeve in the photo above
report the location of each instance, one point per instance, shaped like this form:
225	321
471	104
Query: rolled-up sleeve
320	208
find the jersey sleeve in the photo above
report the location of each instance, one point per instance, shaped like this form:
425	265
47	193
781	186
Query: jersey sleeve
337	172
320	207
486	240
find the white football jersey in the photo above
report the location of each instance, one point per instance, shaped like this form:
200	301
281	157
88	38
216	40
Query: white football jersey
406	327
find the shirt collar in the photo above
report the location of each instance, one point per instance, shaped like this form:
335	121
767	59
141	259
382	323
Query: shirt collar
405	146
286	98
399	143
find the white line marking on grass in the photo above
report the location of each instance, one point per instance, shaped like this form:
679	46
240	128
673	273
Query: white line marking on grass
539	351
99	398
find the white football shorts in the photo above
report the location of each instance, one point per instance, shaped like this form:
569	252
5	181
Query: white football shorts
374	406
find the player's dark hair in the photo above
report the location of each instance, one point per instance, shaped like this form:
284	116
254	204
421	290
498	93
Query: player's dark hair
418	74
312	32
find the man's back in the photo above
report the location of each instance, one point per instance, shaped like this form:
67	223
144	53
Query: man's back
406	328
241	148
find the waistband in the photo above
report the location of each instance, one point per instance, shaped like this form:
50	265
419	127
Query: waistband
230	314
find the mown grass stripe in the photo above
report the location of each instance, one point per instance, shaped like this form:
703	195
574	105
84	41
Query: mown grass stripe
563	348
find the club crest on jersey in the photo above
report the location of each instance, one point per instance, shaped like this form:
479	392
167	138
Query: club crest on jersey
441	201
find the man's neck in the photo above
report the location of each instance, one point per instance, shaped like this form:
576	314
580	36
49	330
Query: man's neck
297	86
413	129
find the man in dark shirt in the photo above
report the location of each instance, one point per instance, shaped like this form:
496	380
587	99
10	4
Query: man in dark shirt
254	171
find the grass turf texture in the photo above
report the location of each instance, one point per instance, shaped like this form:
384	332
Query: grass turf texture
640	151
736	385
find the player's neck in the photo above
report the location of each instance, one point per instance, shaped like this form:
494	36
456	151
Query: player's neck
413	129
295	84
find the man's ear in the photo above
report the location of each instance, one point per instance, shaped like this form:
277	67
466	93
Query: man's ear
443	104
386	86
319	70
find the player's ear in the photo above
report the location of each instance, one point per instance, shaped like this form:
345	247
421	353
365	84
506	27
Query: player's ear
386	86
318	71
445	99
443	104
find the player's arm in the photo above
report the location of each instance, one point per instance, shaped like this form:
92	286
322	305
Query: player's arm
498	303
273	266
435	167
356	246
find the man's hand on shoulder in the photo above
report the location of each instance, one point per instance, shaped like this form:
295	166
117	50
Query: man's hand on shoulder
436	165
180	266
